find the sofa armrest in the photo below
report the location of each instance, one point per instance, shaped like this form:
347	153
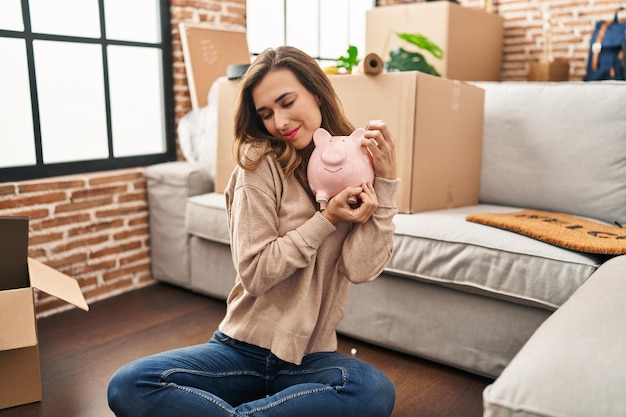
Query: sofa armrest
575	363
169	186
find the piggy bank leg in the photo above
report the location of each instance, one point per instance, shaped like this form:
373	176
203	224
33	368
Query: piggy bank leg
352	200
323	202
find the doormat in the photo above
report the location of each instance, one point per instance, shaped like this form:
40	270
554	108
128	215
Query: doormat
559	229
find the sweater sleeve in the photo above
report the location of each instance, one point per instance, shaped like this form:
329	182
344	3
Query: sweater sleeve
369	246
263	254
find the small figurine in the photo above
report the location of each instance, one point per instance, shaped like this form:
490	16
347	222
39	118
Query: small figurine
338	162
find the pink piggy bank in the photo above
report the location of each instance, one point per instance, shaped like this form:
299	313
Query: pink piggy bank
338	162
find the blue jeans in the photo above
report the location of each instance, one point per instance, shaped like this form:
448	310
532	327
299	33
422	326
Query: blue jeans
226	378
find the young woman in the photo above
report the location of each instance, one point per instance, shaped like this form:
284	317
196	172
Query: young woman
275	351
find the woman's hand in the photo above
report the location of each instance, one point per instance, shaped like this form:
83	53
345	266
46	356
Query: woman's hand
381	143
339	208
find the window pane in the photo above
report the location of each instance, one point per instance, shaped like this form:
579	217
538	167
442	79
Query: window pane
343	24
71	101
17	143
136	20
136	85
11	15
303	25
66	17
322	28
356	16
265	24
334	27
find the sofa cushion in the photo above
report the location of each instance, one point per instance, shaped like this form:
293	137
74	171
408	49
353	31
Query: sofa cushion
574	364
557	147
205	217
443	247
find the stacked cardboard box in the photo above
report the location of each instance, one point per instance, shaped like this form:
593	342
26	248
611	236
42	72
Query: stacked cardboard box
19	345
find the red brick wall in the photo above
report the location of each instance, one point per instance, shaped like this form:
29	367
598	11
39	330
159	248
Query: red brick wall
573	24
92	227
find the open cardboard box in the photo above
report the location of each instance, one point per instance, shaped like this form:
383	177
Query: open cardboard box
19	345
438	124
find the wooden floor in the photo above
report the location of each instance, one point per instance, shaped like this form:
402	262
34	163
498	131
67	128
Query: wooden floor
80	351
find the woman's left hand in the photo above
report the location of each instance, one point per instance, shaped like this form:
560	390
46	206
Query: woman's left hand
381	144
340	209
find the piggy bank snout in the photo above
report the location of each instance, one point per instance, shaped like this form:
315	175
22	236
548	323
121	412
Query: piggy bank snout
333	156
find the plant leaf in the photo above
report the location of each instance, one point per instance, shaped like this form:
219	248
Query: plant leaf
422	42
349	60
403	60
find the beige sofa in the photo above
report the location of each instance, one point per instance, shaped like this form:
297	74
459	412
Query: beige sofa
482	299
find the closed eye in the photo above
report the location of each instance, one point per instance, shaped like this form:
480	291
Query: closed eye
285	100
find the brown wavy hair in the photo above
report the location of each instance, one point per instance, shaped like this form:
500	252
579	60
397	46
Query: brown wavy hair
249	128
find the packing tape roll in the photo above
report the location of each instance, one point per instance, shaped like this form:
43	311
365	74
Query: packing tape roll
373	64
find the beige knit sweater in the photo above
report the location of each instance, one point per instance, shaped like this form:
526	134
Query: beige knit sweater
293	266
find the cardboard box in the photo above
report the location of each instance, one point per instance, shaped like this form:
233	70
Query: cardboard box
548	71
471	38
19	346
438	124
226	97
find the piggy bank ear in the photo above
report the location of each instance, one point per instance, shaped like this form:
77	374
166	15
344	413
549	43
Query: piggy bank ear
321	135
357	135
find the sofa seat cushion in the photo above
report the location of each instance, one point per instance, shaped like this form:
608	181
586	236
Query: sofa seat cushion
443	247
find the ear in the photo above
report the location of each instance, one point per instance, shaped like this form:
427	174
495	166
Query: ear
357	135
320	135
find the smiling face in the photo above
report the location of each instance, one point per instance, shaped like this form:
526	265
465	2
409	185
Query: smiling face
288	110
